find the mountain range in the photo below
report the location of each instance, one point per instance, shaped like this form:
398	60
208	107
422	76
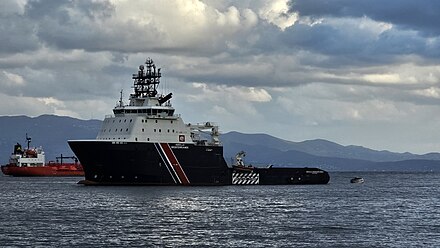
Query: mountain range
52	132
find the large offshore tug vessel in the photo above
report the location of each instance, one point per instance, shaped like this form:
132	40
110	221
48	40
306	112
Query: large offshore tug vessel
147	143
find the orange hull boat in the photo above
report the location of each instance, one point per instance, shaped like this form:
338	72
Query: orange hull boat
49	170
30	162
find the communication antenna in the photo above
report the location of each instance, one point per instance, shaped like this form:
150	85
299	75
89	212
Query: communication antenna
28	140
120	99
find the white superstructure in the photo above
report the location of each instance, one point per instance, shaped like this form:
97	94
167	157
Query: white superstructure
150	117
29	157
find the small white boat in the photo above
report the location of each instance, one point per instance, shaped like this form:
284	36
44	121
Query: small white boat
357	180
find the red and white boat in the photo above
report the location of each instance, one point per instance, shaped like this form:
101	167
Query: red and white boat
30	162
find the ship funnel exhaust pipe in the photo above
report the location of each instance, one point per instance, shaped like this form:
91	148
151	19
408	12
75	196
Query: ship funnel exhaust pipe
165	98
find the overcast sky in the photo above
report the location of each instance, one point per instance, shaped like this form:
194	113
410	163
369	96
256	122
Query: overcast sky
354	72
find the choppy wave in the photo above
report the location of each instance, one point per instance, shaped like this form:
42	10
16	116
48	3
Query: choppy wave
388	210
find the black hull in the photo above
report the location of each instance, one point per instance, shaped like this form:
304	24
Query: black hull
136	163
280	176
148	164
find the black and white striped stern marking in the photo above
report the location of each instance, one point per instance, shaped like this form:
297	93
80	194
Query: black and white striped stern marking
245	178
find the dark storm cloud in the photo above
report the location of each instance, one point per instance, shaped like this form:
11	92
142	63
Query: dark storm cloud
422	16
17	34
353	46
60	10
87	25
70	24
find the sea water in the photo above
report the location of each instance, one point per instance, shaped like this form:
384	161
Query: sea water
388	210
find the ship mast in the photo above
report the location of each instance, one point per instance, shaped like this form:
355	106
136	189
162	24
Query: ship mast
146	80
121	103
28	140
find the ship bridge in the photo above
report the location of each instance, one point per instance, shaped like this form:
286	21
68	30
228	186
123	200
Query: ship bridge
148	111
149	116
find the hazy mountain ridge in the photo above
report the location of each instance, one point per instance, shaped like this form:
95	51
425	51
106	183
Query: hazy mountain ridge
260	155
48	131
325	148
52	132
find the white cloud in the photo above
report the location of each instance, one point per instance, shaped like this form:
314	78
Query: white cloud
277	13
13	79
382	78
324	104
51	101
220	92
171	22
11	7
433	92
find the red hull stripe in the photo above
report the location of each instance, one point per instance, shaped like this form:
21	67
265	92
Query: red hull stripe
167	163
174	163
